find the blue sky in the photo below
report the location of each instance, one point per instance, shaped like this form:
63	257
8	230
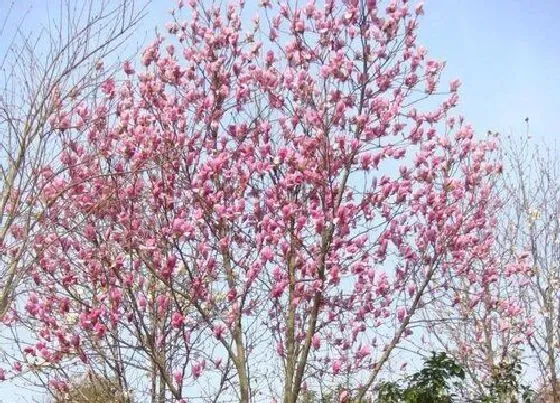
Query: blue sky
506	53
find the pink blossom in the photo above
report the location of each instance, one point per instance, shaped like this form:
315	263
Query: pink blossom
196	370
178	377
316	342
363	351
177	320
454	85
336	366
401	313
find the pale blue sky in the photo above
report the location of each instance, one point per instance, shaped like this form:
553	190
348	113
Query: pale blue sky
506	53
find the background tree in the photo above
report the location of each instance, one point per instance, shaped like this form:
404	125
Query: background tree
485	324
42	70
532	227
522	330
268	186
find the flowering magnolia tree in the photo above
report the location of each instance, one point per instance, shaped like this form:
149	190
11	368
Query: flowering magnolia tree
262	208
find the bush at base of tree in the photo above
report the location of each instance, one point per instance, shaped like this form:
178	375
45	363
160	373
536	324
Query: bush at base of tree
93	389
505	386
432	384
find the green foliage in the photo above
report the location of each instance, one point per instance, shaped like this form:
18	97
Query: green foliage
505	387
332	396
390	392
438	381
431	384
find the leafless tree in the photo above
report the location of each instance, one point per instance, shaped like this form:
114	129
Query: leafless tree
490	326
41	72
532	224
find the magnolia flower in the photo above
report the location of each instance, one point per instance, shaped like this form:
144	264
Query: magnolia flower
401	313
